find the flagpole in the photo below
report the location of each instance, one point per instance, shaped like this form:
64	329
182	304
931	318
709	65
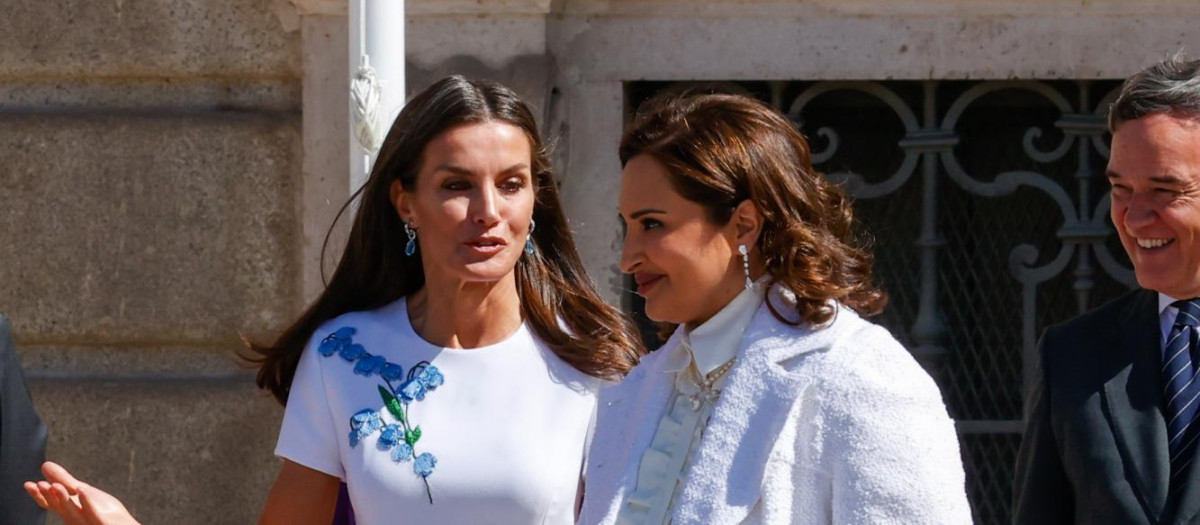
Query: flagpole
377	90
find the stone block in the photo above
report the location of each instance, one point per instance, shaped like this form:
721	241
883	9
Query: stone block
180	451
157	38
176	229
493	40
509	49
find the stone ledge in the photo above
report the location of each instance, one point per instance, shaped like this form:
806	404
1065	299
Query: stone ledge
869	8
118	363
607	49
476	7
130	94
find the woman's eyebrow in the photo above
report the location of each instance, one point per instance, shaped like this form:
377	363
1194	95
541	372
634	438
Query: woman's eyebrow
455	169
644	211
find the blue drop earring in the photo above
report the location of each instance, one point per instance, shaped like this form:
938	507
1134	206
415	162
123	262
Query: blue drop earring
411	247
529	239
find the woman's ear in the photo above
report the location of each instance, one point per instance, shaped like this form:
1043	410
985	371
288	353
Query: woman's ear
747	223
401	201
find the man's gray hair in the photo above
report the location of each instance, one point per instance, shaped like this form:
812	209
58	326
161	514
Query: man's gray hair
1171	86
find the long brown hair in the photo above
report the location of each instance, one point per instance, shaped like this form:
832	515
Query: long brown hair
593	337
722	149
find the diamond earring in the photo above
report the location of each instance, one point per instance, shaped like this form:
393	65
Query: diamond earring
745	252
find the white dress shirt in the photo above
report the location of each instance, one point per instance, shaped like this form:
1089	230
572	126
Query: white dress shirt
1166	315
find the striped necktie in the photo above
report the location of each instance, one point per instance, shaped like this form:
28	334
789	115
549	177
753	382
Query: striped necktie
1180	359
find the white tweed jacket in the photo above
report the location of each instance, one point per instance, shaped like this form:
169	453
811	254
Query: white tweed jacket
837	424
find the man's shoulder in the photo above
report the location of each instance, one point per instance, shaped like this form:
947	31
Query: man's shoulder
1106	318
1097	336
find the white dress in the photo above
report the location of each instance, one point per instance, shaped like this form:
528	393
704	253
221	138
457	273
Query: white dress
507	423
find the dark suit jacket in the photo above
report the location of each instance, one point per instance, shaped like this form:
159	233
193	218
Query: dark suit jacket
22	439
1095	444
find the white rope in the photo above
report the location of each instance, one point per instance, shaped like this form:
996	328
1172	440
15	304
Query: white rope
365	98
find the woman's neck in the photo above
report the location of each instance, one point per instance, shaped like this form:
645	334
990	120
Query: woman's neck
465	314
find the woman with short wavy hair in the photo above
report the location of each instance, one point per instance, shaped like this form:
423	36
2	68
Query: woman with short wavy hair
773	401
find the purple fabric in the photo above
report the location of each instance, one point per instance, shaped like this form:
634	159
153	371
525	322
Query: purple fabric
343	514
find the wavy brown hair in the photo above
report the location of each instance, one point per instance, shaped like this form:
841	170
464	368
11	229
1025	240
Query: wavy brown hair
722	149
593	337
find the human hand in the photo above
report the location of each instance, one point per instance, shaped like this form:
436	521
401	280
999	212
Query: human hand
76	502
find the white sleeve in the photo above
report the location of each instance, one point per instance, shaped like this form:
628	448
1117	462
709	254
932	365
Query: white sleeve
895	449
309	435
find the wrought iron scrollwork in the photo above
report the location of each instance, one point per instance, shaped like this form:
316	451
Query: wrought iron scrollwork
854	182
1084	229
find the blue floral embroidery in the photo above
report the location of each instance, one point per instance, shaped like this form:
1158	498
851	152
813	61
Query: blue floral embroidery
369	365
352	351
362	424
335	341
402	437
366	421
391	435
412	390
402	452
424	464
392	372
431	377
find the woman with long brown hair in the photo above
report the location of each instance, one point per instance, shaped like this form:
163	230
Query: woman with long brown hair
448	372
773	401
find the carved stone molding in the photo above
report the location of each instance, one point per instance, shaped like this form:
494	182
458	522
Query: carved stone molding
320	7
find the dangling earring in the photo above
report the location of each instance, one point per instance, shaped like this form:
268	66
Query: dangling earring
529	239
746	263
411	247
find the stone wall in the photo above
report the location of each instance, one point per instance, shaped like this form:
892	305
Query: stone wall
149	201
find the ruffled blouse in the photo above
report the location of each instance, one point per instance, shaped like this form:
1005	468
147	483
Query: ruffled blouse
699	365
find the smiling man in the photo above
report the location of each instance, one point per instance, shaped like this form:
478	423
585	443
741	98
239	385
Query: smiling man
1111	422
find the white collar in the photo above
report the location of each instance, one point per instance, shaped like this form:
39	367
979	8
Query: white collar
718	339
1164	302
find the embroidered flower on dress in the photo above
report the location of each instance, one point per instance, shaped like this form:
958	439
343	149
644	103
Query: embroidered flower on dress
369	365
412	389
352	351
391	435
392	372
362	424
364	418
402	452
335	341
401	437
431	377
424	464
